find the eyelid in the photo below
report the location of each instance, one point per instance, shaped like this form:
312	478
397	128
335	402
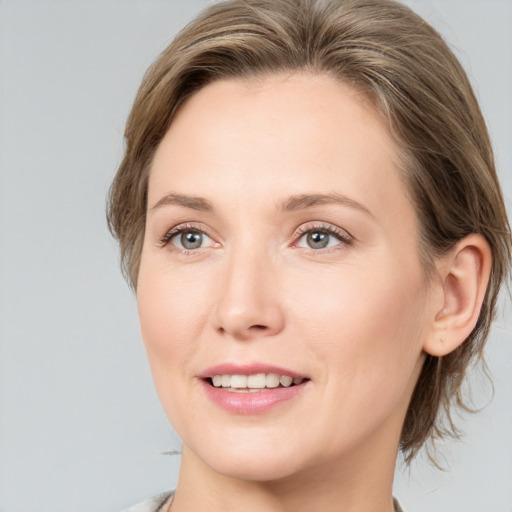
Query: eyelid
165	240
344	236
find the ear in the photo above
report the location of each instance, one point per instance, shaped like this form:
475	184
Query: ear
463	278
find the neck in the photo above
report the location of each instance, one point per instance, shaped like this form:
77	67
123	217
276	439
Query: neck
354	485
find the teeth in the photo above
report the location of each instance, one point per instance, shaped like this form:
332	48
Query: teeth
254	382
238	381
285	381
272	380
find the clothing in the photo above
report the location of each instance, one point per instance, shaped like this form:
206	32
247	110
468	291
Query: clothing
397	506
160	503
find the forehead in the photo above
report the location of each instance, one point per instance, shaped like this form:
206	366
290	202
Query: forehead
281	135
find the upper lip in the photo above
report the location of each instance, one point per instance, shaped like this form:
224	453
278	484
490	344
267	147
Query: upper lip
246	369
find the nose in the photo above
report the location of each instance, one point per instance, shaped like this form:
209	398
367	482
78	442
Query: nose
248	303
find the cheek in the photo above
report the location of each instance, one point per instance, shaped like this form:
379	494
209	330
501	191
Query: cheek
365	319
365	331
173	310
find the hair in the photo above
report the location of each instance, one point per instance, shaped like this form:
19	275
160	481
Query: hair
415	82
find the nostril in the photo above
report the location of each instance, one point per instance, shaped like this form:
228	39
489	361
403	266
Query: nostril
258	327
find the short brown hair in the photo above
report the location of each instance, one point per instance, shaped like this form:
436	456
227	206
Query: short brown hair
418	86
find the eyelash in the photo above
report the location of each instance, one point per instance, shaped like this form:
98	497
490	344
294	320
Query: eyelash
341	235
177	230
338	233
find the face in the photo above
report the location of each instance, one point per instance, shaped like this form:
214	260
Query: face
282	301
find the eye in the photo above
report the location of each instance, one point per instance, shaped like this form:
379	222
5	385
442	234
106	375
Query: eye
187	239
324	237
318	239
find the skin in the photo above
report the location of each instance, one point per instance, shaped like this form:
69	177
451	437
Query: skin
354	317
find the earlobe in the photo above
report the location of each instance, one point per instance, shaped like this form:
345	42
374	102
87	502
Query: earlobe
464	275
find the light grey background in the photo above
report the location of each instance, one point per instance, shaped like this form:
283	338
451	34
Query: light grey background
80	425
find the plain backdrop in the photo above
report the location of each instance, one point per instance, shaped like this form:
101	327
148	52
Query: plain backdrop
81	429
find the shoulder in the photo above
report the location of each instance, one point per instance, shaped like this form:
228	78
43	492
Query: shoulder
154	504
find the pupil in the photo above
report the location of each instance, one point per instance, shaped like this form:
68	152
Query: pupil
318	239
191	240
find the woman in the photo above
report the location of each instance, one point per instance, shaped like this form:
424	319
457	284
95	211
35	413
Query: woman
309	213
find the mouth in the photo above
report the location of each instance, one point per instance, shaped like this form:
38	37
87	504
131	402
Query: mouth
252	388
253	383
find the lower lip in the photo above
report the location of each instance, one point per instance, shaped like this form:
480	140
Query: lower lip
251	402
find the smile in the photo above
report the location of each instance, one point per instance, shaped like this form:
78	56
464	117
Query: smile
253	388
254	383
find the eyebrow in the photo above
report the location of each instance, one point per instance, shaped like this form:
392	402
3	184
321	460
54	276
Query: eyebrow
192	202
293	203
307	201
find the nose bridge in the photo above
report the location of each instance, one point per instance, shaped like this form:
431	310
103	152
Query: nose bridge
248	303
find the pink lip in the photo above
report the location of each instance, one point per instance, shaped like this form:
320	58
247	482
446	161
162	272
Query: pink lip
249	402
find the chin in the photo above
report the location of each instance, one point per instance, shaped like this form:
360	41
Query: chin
258	462
255	469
